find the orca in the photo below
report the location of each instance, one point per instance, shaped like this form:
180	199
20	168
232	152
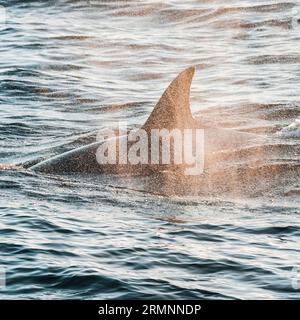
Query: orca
171	112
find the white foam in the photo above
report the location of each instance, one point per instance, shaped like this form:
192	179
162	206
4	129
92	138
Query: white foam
6	166
291	131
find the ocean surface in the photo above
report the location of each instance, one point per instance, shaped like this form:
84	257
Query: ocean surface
71	68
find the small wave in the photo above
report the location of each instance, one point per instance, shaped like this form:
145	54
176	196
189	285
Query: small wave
21	72
72	37
145	76
291	131
238	24
224	11
115	107
61	67
142	11
17	128
292	192
256	118
19	87
274	59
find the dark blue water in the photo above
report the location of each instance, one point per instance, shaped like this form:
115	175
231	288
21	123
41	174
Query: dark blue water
70	68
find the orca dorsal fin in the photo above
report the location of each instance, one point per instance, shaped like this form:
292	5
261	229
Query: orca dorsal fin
173	108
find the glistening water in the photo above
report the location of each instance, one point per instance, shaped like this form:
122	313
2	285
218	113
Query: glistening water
71	68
